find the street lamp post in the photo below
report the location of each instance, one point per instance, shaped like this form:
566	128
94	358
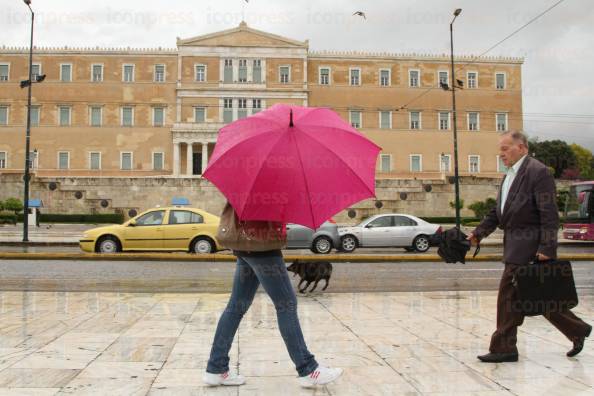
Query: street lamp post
28	133
453	84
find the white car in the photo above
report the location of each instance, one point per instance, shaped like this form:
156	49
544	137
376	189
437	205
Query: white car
389	230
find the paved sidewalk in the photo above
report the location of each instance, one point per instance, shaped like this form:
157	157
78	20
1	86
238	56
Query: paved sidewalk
388	344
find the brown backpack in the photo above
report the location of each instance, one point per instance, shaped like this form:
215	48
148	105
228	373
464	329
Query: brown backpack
250	236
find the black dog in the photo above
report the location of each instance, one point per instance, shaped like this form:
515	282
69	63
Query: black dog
311	272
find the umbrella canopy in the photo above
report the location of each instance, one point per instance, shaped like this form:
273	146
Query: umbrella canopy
292	164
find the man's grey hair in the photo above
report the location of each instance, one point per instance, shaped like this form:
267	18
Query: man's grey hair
517	136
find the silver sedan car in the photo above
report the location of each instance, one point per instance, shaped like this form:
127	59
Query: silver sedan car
320	241
389	230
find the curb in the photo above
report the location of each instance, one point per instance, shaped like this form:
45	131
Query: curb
230	258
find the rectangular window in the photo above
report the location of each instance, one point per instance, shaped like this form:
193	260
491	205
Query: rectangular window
500	165
128	73
413	78
63	160
500	80
228	71
158	116
415	120
97	73
3	160
257	71
127	116
199	114
35	115
126	161
444	163
33	159
386	163
416	163
158	161
3	115
472	80
384	78
35	71
355	77
284	72
4	70
473	121
159	73
501	122
96	116
64	115
444	120
355	117
227	110
200	73
241	108
256	105
385	119
95	160
474	163
242	71
66	72
324	76
443	78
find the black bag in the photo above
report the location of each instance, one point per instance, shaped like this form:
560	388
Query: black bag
544	286
453	246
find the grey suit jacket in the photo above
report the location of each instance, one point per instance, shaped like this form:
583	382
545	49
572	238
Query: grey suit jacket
530	219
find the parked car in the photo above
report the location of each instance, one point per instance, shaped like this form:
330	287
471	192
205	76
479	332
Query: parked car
389	230
157	229
320	241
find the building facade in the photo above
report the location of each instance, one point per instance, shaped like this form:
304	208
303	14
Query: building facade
156	112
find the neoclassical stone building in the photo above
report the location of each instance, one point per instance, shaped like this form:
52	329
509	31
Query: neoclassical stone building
127	112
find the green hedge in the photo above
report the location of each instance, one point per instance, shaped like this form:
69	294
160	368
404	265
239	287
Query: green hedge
450	220
8	218
102	218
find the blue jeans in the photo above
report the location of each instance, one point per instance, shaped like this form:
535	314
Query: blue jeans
270	271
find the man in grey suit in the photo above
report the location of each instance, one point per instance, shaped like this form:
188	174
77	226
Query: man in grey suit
527	212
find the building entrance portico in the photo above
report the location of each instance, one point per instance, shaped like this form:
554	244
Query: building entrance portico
192	147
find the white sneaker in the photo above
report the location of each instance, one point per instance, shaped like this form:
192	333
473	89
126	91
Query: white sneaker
227	378
320	376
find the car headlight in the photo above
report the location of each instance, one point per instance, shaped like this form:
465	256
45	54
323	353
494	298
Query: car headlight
584	230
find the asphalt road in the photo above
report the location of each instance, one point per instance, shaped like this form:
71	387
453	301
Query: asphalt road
164	276
586	248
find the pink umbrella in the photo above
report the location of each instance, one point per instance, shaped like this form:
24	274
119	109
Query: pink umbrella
292	164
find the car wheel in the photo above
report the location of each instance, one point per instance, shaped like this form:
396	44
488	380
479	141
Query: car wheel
421	243
322	245
348	243
108	244
202	245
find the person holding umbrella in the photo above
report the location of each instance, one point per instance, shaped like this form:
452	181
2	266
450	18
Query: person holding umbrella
287	164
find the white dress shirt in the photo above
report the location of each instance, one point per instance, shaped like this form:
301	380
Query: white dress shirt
510	176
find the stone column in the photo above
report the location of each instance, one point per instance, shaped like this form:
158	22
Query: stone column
204	156
176	164
189	158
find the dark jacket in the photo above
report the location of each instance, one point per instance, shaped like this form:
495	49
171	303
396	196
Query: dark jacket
530	220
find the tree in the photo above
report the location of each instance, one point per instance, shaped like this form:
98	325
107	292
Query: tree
14	205
554	153
482	208
453	204
585	160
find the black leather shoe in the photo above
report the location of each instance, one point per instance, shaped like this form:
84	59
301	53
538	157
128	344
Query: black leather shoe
498	357
578	344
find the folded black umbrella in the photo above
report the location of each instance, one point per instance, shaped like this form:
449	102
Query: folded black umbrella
453	246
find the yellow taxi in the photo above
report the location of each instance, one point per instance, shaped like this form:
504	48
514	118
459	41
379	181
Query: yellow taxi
158	229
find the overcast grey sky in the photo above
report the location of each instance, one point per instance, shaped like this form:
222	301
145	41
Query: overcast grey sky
557	74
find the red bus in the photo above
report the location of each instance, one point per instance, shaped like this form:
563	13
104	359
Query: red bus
579	212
